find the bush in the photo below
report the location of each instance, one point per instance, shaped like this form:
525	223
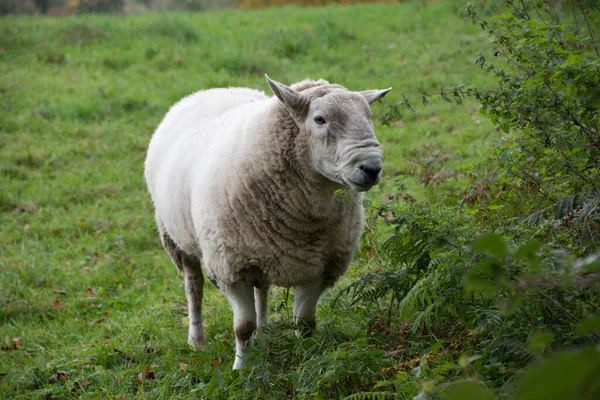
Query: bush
17	7
99	6
548	97
527	284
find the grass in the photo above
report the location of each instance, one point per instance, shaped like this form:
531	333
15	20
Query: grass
97	307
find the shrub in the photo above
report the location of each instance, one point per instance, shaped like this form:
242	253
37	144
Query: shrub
547	100
98	6
17	7
527	284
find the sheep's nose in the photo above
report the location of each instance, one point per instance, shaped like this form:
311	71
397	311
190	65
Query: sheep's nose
372	171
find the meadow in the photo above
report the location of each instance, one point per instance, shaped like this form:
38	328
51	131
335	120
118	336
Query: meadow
91	306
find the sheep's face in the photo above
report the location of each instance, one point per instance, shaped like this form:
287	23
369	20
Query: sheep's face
343	146
343	143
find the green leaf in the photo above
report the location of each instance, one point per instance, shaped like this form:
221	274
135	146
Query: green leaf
468	390
528	250
491	244
483	287
511	304
568	375
465	361
574	59
538	342
590	325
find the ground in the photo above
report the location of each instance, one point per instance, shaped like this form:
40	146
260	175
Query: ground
91	306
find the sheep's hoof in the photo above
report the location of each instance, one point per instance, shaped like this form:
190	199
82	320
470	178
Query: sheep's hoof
239	362
197	342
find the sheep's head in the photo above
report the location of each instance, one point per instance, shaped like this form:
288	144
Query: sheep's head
343	145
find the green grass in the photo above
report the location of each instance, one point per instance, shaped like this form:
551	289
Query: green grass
85	284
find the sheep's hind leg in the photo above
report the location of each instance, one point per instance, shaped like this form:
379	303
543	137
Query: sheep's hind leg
305	306
191	269
194	290
261	301
241	298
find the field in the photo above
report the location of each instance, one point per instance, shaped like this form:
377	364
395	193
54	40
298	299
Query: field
91	305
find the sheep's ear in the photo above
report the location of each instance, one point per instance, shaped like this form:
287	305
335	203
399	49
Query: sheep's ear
373	95
295	101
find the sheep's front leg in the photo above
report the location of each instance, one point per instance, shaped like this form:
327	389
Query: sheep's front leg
194	285
241	298
261	299
305	306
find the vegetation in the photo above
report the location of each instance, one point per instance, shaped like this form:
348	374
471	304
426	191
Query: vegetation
478	272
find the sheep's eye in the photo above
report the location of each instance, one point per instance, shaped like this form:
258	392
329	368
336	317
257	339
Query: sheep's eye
319	120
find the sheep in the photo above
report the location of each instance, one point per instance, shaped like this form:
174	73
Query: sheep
243	188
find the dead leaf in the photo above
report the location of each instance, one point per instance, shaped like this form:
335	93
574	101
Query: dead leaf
16	343
409	198
389	217
216	361
78	385
149	373
145	374
62	376
57	304
27	207
89	292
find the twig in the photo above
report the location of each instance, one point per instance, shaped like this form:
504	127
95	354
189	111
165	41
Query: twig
588	26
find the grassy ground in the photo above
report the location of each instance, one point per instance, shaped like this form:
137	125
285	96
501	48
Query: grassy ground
91	305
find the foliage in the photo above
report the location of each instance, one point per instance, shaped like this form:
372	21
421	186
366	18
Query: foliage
525	289
17	7
547	91
98	6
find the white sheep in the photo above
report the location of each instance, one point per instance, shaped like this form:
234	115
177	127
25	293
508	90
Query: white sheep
243	186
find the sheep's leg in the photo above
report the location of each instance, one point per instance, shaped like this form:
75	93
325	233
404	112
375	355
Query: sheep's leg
194	289
241	298
191	269
305	306
261	301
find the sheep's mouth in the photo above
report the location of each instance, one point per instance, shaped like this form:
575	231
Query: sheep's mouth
359	187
